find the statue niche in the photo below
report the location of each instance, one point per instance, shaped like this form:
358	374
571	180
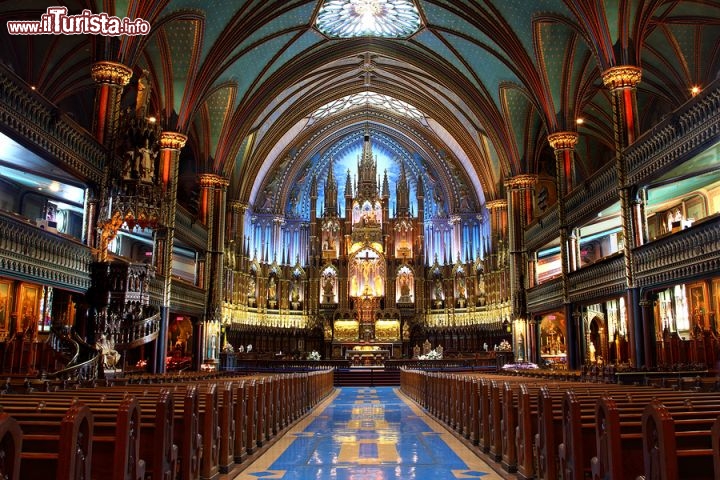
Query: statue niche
327	283
405	281
367	274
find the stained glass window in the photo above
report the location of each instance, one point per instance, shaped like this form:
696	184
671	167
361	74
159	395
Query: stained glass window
368	18
368	98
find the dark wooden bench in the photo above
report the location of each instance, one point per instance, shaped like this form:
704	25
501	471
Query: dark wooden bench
678	445
156	427
115	436
10	447
619	438
56	443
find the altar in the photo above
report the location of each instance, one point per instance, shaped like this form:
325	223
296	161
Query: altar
368	355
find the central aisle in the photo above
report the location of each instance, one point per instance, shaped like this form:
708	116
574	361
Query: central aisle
368	433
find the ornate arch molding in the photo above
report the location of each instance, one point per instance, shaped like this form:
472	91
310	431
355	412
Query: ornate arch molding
293	164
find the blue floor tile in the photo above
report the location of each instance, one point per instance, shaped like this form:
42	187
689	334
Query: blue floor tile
368	434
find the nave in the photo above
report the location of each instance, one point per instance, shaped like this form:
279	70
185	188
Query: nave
368	433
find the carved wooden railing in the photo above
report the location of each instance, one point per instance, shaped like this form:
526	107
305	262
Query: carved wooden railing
188	229
543	230
137	333
184	296
26	114
601	279
684	133
27	251
187	296
85	365
688	253
85	371
61	344
546	295
596	193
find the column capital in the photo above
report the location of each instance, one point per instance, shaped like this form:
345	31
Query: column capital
521	181
238	206
496	204
212	180
172	140
563	140
111	72
623	76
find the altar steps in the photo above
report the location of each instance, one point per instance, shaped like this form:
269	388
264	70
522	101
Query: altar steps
361	377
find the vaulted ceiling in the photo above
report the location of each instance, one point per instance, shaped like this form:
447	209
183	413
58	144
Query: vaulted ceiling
491	79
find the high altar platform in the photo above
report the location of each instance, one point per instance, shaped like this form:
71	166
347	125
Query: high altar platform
368	433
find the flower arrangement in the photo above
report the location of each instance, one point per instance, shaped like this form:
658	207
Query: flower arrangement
207	367
314	355
228	348
505	346
520	366
431	355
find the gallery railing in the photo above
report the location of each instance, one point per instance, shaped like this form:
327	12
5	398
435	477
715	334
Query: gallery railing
682	255
29	252
603	278
26	114
546	295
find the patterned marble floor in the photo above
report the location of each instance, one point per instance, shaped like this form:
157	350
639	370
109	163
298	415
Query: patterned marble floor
368	434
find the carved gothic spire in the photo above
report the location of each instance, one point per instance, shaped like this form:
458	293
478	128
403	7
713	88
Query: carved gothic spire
367	170
313	187
348	185
331	192
385	186
402	191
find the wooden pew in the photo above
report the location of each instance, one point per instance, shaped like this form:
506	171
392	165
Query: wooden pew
10	447
525	432
549	435
716	445
197	430
56	444
678	445
209	421
619	438
156	427
115	436
176	445
240	421
508	426
211	428
226	419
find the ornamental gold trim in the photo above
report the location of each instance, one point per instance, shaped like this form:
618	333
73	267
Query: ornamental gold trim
563	140
111	72
212	180
624	76
493	204
521	181
237	205
172	140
